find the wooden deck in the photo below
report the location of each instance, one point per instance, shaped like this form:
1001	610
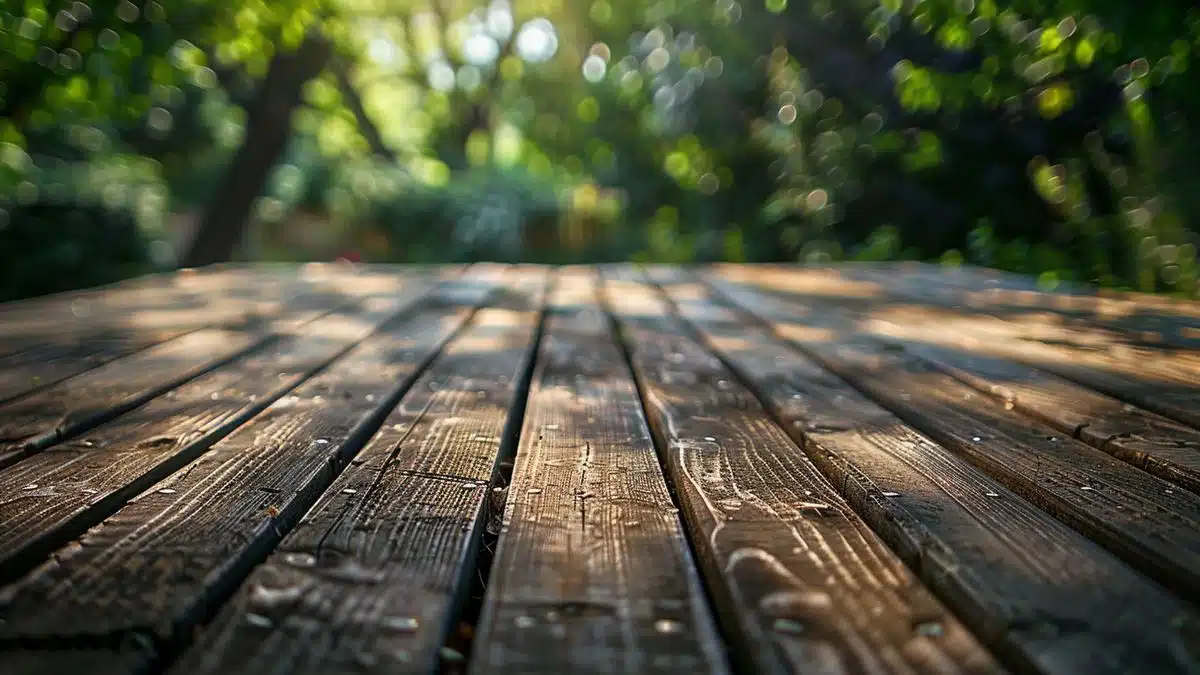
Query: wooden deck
858	470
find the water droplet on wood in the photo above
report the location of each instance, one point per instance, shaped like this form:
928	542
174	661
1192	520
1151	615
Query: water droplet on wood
790	626
710	438
258	620
31	486
534	491
300	559
668	626
267	597
349	491
166	491
322	441
891	494
1086	487
990	494
402	624
469	486
976	439
930	629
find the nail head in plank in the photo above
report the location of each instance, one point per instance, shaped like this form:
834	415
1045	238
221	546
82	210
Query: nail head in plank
803	581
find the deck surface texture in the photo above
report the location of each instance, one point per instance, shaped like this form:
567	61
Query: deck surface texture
856	469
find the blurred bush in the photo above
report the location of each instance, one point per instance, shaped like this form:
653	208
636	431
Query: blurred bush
47	247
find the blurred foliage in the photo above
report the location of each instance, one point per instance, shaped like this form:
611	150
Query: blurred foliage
1051	137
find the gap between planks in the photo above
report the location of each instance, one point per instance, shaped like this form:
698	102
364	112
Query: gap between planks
158	566
375	575
76	405
56	495
1046	599
592	572
801	582
1147	521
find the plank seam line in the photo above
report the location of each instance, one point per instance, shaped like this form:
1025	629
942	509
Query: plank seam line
482	548
215	596
65	431
44	545
245	321
730	637
1009	658
1149	566
166	650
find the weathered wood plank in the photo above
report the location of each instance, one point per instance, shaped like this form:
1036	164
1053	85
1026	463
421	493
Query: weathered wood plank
804	583
51	348
1039	594
370	578
1162	447
56	495
1078	311
592	572
30	424
155	569
1147	521
99	330
1096	348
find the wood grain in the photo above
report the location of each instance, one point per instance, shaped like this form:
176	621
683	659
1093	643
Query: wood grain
803	582
1148	522
592	573
56	495
369	580
53	339
1115	346
159	566
1160	446
1083	311
1042	596
30	424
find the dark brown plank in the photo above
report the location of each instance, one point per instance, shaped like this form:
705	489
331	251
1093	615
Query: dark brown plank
592	572
30	424
1148	522
1133	319
963	346
100	330
1148	441
803	582
155	569
1042	596
56	495
1164	381
48	348
369	580
1116	346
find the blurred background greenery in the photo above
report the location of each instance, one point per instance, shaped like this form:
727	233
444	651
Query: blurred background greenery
1051	137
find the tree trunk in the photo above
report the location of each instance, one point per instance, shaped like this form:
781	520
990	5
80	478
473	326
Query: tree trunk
366	126
268	129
